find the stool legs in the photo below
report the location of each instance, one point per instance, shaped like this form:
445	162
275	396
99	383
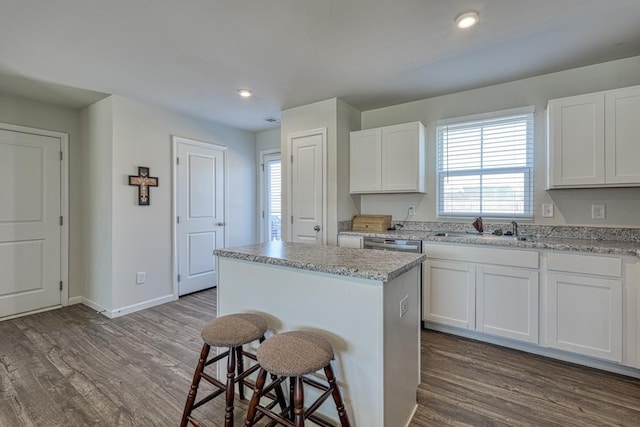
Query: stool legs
298	401
255	399
188	407
337	397
240	363
296	413
235	361
231	376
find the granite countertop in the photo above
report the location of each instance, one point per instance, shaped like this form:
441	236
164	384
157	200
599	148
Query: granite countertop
614	247
370	264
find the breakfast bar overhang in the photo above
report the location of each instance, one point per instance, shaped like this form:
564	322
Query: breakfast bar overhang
365	302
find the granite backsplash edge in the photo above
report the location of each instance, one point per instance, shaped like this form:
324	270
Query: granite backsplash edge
540	231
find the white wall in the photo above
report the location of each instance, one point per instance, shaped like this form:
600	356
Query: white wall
142	235
268	140
24	112
348	120
308	117
572	207
97	215
338	118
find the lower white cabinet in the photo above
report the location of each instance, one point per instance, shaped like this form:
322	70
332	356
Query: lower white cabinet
507	302
580	303
350	241
500	300
449	292
585	311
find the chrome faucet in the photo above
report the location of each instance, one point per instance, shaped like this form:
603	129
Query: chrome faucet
515	228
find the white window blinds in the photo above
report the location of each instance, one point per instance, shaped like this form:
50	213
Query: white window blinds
485	165
273	169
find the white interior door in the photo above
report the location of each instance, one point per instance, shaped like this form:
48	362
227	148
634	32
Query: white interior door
307	186
200	207
30	230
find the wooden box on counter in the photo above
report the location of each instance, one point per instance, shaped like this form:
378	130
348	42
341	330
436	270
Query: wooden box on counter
375	223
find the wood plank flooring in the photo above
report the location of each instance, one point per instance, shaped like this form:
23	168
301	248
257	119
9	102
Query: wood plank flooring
466	382
73	367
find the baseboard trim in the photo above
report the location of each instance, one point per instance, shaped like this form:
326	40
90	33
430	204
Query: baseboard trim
93	305
141	306
74	300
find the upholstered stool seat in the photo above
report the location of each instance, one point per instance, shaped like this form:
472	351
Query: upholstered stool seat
295	354
234	330
231	331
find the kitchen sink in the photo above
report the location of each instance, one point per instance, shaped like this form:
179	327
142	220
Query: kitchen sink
466	235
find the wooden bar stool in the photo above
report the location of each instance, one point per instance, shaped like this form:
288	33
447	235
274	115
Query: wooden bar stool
295	355
231	331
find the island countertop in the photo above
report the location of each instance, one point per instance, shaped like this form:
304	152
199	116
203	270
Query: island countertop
361	263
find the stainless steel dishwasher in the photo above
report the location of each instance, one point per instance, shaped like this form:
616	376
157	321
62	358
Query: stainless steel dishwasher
398	245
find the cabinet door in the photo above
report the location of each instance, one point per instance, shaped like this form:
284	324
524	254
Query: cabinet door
403	158
575	152
584	315
622	136
350	242
507	302
448	293
365	161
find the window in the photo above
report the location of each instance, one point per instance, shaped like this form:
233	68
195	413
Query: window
485	165
272	184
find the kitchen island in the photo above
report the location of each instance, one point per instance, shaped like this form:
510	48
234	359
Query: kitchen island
365	302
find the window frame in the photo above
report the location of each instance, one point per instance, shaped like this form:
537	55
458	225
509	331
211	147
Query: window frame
265	229
528	170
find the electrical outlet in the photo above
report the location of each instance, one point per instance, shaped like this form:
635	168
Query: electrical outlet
597	211
141	277
547	210
404	305
412	210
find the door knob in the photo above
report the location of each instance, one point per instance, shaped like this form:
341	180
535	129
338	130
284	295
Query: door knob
220	224
316	228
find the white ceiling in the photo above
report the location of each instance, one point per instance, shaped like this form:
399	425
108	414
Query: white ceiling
192	55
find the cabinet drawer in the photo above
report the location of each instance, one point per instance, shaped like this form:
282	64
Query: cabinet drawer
585	264
482	254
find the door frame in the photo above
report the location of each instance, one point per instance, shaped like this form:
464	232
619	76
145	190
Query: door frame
175	140
290	138
262	192
64	206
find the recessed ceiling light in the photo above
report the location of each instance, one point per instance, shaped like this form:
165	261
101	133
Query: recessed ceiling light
245	93
467	19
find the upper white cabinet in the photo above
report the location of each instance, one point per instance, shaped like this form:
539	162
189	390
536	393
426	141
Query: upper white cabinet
593	140
389	159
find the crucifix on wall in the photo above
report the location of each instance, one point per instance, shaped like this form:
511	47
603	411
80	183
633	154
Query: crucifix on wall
143	181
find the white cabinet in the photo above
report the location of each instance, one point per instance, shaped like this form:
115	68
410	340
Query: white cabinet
488	290
448	293
592	140
389	159
584	304
365	154
345	241
622	127
507	302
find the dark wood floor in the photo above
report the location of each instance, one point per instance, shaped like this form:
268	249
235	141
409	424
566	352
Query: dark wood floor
73	367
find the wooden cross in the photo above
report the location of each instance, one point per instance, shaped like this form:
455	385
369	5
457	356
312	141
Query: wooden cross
143	181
